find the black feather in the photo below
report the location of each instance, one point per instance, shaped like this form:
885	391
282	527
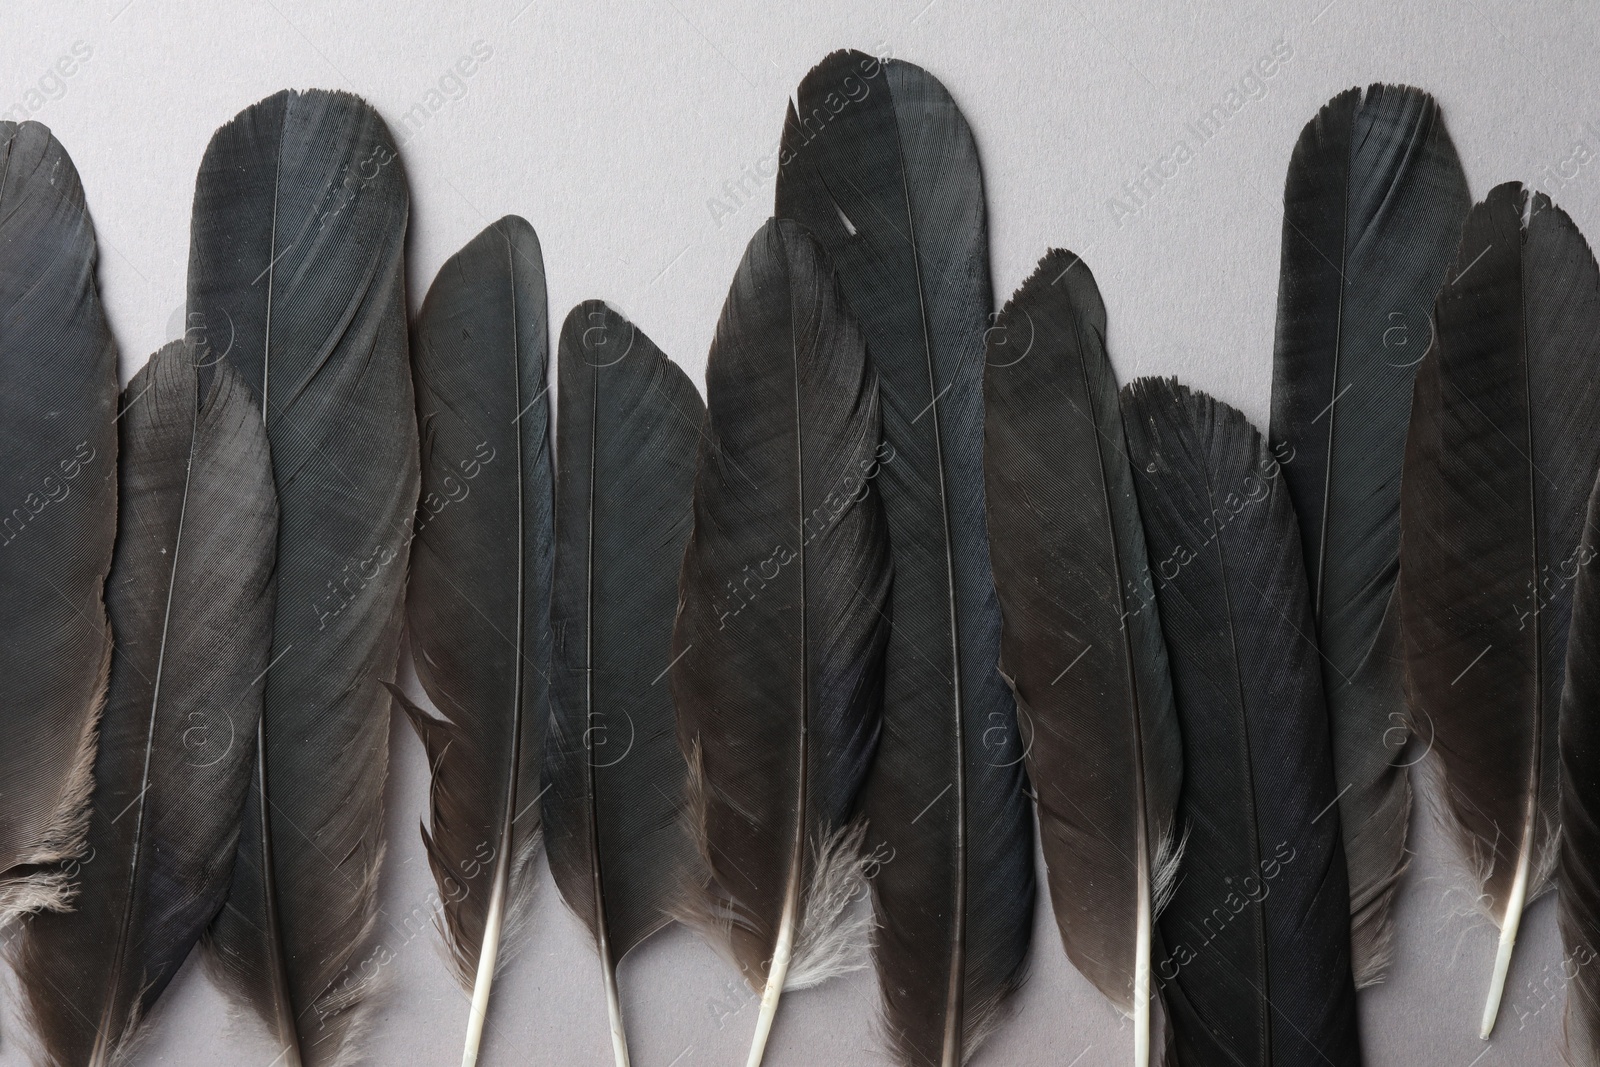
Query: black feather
190	601
479	598
881	166
778	645
1373	206
629	428
58	504
1256	965
1081	641
1503	448
296	279
1579	870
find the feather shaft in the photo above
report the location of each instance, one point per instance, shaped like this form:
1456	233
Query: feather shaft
494	918
619	1034
1507	940
777	973
1141	968
280	1010
483	978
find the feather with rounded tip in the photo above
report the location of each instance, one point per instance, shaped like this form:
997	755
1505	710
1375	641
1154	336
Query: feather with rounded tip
296	278
190	600
1373	206
777	668
1255	970
625	452
1080	638
58	503
1503	447
479	598
881	166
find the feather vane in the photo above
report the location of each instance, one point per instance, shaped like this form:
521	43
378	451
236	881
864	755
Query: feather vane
1256	964
778	646
296	279
881	166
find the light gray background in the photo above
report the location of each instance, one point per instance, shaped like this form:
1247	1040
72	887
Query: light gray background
611	126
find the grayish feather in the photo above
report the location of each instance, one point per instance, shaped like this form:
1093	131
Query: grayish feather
58	455
1503	446
1081	636
190	601
778	646
630	422
881	165
478	602
1373	206
296	279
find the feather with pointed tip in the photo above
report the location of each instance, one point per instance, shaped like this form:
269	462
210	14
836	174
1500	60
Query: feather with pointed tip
881	166
629	426
190	601
1373	206
1255	970
777	668
1578	878
479	598
1502	450
1080	640
58	502
296	279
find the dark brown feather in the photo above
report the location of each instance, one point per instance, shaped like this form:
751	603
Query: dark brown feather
1503	446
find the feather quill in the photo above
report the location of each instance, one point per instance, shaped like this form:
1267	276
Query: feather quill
1579	868
1256	965
58	503
1080	642
479	598
1373	207
1502	450
778	646
296	279
625	454
190	602
881	166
